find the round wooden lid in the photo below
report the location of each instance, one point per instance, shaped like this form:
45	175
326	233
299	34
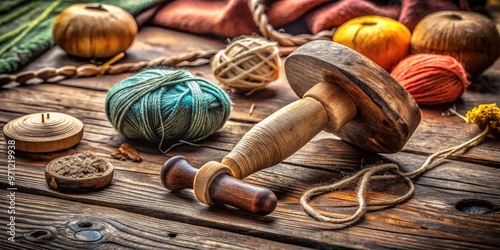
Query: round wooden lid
44	132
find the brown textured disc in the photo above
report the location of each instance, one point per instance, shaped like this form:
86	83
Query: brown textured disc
44	132
66	173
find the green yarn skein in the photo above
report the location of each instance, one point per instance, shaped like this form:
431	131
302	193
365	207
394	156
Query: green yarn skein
167	105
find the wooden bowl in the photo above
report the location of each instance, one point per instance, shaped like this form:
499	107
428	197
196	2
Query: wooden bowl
73	184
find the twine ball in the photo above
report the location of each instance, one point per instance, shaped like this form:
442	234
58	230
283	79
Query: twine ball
247	64
167	105
431	79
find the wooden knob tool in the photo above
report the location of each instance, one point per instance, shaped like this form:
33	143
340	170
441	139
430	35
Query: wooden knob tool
342	92
177	174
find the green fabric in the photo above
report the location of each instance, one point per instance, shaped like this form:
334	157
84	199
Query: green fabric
26	27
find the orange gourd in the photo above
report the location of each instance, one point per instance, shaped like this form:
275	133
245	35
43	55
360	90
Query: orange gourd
469	37
94	30
384	40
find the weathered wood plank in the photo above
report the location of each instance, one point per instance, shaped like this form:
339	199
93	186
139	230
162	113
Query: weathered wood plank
61	224
429	219
434	133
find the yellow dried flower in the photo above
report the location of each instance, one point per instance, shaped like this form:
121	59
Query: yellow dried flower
485	115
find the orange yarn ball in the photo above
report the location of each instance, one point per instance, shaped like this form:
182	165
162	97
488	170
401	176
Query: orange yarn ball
431	79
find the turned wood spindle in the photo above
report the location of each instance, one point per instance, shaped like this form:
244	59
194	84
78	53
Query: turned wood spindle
342	92
178	175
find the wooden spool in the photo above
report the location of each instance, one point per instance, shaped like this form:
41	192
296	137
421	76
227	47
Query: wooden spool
342	92
44	132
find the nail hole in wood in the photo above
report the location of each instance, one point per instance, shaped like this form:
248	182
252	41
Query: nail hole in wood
473	206
85	224
38	235
172	235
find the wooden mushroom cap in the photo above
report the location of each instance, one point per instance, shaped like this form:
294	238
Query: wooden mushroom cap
44	132
386	115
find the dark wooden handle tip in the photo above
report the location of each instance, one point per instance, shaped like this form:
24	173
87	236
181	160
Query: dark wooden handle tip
178	174
245	196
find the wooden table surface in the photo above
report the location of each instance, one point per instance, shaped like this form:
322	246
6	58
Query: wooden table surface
137	212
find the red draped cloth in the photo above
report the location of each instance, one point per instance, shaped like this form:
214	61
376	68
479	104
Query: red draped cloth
231	18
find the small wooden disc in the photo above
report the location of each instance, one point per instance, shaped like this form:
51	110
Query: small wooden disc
52	132
76	185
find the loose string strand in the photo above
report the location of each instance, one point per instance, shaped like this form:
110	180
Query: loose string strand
443	154
365	175
368	175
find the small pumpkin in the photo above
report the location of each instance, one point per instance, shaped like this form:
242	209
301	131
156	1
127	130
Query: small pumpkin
94	30
384	40
469	37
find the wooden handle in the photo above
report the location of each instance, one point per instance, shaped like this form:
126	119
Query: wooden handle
177	174
325	106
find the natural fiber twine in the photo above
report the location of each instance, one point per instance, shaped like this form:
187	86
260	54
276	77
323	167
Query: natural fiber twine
247	64
487	118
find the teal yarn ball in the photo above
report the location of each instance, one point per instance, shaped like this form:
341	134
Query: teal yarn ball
167	105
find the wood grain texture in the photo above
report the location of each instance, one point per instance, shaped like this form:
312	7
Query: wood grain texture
429	220
50	223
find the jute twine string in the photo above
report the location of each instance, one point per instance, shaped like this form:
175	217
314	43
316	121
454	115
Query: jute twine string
368	174
283	39
247	64
365	176
90	70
